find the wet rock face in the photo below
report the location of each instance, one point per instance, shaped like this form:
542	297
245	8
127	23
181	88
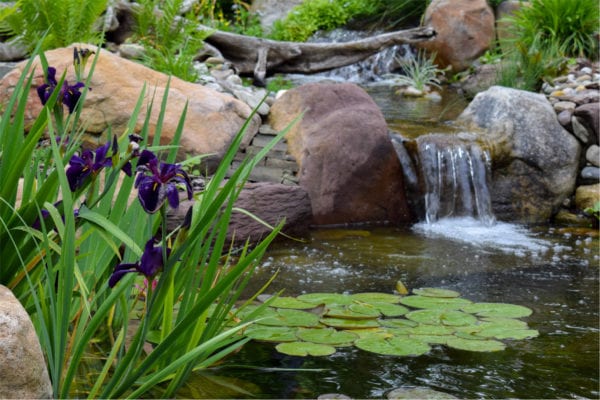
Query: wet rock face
23	373
347	162
535	161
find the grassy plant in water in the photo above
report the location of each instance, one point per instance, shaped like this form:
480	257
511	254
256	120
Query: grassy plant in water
95	270
420	72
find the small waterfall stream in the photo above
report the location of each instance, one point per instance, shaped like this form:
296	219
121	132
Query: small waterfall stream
455	175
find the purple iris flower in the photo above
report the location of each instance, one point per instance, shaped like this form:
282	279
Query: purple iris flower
161	182
80	167
71	94
45	90
149	265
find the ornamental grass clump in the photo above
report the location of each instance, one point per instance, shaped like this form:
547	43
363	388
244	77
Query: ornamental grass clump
102	275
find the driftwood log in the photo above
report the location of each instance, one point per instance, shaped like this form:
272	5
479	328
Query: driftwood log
263	57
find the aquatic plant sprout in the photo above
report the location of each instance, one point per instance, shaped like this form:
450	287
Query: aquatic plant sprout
419	72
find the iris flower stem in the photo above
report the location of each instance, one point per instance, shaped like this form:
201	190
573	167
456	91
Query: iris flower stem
169	298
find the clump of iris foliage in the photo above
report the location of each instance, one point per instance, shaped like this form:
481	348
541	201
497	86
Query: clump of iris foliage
545	35
100	274
420	72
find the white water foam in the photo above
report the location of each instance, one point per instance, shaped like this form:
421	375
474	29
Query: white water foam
507	237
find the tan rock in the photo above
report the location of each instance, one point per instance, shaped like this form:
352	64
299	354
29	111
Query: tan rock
465	30
213	118
23	373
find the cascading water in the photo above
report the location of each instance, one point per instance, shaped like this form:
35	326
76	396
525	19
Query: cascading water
452	178
455	175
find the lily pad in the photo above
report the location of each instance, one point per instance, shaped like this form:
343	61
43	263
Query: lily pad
304	349
350	323
398	323
432	339
512	323
326	336
325	298
475	345
424	329
286	317
448	303
395	346
442	317
291	302
435	292
390	310
497	310
376	297
353	311
272	333
507	333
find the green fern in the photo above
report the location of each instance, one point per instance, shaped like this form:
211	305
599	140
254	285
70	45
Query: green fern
60	23
171	42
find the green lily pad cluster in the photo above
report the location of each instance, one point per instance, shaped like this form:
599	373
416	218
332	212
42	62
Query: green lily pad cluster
316	324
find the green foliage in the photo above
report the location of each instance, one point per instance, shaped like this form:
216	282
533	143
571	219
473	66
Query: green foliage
171	42
546	34
313	15
420	71
594	211
395	14
377	323
278	83
58	262
55	23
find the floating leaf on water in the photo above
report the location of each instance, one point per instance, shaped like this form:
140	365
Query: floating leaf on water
497	310
398	323
425	329
304	349
326	298
507	333
395	346
475	345
353	311
441	317
373	333
285	317
449	303
291	302
390	310
489	322
432	339
256	312
271	333
326	336
350	323
436	292
376	297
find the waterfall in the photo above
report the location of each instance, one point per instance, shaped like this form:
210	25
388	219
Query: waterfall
454	172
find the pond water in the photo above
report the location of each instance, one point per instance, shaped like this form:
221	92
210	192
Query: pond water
553	271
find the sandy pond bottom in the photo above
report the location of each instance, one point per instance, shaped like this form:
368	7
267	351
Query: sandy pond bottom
553	271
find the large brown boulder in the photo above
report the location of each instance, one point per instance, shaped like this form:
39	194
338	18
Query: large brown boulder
23	373
347	162
213	118
465	29
535	161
